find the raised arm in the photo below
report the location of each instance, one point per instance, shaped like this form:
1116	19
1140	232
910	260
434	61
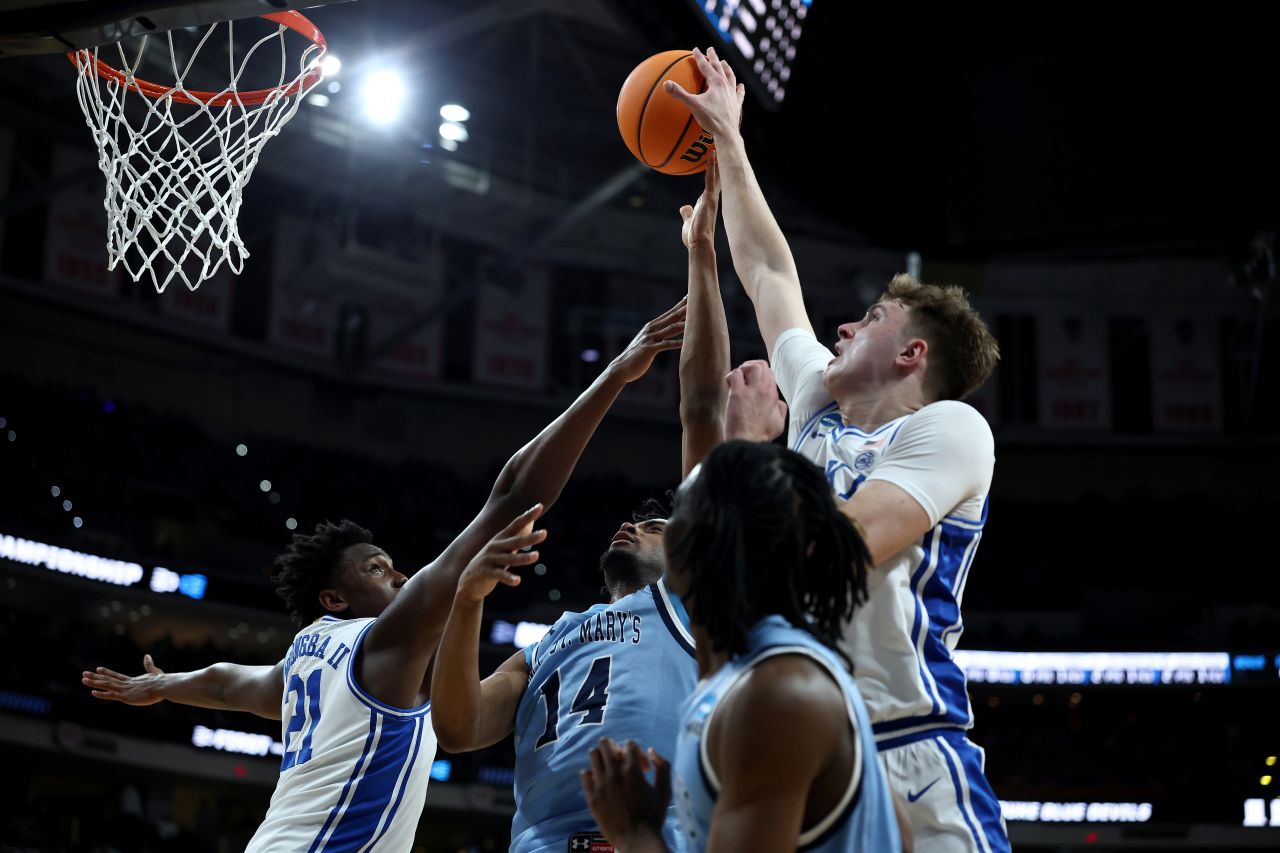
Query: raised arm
760	252
399	646
704	358
468	713
223	686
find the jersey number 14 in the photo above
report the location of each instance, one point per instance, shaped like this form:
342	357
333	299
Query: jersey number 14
592	696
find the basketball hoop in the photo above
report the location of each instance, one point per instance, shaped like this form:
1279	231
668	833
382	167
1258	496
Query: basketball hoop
177	159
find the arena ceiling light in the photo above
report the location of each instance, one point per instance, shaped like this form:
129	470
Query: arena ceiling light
330	65
454	132
454	112
383	94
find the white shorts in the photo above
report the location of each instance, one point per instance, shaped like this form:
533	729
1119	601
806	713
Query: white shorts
950	805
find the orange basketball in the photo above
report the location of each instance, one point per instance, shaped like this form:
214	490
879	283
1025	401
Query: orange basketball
659	130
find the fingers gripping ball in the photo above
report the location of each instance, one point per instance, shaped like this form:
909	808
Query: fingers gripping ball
659	130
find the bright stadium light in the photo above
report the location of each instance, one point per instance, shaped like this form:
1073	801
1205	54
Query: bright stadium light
383	94
318	99
449	145
454	112
454	132
330	65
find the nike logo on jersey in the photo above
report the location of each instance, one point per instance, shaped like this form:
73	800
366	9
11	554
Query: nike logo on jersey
913	796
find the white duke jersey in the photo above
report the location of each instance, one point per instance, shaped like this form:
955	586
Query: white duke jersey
943	455
354	772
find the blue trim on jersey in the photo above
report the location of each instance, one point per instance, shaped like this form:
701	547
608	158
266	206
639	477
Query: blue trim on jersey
984	806
956	549
915	737
418	723
918	620
667	617
342	798
808	425
328	618
956	786
365	698
376	786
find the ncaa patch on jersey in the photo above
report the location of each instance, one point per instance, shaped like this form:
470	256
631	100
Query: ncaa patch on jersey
864	461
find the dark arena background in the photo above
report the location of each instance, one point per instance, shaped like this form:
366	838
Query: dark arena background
426	290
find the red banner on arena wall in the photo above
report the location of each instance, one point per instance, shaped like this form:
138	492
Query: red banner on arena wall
209	305
1075	377
511	330
302	319
1186	383
421	355
75	245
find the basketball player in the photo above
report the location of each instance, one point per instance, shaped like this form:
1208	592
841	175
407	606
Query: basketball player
883	418
775	750
353	691
620	669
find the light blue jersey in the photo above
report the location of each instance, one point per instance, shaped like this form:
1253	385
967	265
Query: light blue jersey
620	670
863	820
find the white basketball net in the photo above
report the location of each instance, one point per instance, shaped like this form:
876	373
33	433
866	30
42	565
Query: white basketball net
177	165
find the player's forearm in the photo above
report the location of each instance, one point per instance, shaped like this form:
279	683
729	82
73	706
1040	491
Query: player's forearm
212	687
704	359
759	248
455	683
537	473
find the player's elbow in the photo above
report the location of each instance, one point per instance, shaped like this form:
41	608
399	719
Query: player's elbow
453	736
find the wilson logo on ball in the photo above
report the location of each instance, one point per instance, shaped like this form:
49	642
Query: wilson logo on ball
698	149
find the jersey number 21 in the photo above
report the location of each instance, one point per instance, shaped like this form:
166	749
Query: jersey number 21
306	714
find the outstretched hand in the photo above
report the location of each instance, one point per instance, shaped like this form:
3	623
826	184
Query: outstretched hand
718	108
138	690
663	332
699	228
492	566
623	802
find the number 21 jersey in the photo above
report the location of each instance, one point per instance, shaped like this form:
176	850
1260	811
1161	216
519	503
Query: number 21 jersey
353	776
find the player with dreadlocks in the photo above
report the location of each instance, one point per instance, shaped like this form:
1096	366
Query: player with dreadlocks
775	749
352	692
618	668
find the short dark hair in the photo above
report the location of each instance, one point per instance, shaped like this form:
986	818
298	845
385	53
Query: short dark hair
759	533
652	509
964	352
309	564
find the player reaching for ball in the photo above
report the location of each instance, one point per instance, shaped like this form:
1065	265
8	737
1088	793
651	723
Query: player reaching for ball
882	416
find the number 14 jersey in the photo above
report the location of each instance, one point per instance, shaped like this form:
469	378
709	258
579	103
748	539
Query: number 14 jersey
619	670
354	771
